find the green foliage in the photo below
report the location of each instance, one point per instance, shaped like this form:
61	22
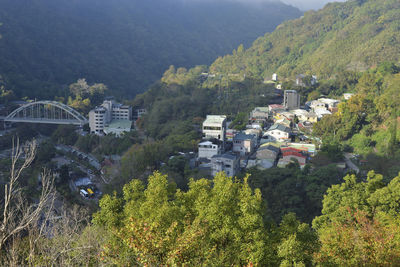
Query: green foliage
213	223
174	110
240	121
368	121
291	190
359	223
125	44
65	134
339	37
298	242
106	145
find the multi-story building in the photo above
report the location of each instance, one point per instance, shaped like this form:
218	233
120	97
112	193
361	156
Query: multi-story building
244	144
208	149
121	112
215	127
98	119
259	114
291	99
108	113
228	163
277	132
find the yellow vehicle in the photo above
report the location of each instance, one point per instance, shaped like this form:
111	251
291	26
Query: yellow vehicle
90	191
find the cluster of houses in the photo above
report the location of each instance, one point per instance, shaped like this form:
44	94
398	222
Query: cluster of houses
269	138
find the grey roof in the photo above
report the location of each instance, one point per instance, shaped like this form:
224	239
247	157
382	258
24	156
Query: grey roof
226	156
243	136
279	127
270	147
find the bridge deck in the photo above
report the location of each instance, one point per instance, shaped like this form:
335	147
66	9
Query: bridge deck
42	120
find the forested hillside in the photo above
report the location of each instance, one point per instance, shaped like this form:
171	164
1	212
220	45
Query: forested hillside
354	35
125	44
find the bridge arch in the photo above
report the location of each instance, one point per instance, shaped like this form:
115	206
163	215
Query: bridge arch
51	112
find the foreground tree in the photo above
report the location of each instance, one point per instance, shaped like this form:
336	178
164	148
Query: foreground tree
359	225
18	215
213	223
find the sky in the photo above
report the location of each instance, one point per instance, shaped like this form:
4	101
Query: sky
309	4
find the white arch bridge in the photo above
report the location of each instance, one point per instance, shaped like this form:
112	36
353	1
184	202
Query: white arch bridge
50	112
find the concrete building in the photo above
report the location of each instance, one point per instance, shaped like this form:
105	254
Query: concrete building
208	149
331	104
110	111
321	112
304	115
316	104
228	163
244	144
277	132
292	155
259	114
267	156
291	99
230	133
215	127
98	119
256	132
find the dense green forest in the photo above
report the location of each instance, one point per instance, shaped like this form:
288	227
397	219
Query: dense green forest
125	44
354	35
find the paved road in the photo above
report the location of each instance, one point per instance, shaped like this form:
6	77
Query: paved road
349	163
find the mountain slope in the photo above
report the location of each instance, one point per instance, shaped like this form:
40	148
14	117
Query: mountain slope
125	44
354	35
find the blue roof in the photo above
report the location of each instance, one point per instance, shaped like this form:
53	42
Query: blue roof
243	136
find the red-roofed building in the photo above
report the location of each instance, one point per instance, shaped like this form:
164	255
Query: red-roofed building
292	149
273	107
290	154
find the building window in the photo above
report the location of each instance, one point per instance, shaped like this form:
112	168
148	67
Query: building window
213	128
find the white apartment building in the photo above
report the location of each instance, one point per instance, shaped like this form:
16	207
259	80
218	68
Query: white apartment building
101	117
215	127
98	119
208	149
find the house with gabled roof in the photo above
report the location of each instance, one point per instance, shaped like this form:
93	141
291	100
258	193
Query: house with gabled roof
210	148
277	132
290	154
259	115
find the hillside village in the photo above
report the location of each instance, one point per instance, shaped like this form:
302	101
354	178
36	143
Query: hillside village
275	135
